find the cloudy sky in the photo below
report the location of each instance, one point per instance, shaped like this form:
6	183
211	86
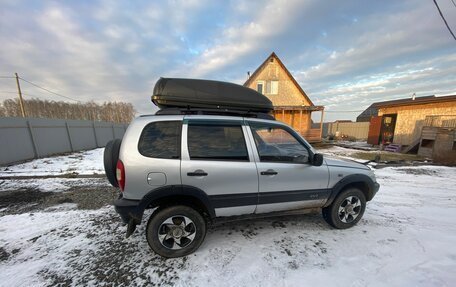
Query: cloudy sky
345	54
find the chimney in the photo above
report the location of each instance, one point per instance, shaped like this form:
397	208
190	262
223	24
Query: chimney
248	75
413	96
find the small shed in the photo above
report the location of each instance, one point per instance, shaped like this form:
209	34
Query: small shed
401	121
438	139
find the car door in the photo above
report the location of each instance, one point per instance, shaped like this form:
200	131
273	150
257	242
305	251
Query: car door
287	179
217	160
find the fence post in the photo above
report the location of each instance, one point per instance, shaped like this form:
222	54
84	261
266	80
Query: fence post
95	134
69	136
113	132
32	138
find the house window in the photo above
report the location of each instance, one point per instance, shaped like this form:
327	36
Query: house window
272	87
260	87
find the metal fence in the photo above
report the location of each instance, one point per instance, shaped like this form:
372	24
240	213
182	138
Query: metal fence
28	138
357	130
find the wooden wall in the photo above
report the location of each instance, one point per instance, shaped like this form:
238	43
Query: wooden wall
301	122
410	119
438	144
288	93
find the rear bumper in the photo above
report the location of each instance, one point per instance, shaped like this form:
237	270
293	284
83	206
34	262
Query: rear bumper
129	210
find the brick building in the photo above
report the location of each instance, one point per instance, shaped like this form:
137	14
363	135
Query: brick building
291	103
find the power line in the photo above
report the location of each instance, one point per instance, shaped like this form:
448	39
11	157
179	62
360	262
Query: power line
443	18
453	3
49	91
6	77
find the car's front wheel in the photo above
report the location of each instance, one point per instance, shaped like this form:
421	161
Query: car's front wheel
175	231
346	210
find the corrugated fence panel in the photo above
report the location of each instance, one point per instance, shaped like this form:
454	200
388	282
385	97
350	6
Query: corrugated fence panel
104	132
50	136
358	130
28	138
82	135
119	131
15	140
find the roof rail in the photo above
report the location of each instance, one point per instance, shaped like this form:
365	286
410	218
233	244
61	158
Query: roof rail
218	112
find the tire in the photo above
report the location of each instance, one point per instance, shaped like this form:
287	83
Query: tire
175	231
110	157
340	214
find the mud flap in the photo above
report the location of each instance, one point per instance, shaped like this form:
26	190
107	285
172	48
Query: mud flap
131	227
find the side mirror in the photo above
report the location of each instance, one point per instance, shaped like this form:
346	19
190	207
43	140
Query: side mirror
301	159
317	159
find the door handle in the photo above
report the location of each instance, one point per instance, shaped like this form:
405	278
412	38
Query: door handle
197	172
269	172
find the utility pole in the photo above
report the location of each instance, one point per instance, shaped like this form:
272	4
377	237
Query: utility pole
21	101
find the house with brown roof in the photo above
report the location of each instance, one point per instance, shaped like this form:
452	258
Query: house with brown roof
401	121
291	103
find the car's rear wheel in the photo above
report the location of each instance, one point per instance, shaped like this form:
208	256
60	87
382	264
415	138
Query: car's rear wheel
346	210
175	231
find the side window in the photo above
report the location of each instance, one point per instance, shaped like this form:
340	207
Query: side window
276	144
161	140
216	142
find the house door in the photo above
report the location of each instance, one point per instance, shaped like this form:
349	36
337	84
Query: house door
374	130
387	129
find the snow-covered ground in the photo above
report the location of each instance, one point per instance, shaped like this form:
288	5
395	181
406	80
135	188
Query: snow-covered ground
406	238
68	168
85	163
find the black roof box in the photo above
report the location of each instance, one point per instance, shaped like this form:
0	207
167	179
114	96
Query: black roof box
208	94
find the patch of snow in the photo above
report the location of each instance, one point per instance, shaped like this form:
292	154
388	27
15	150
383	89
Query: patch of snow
85	162
342	151
357	144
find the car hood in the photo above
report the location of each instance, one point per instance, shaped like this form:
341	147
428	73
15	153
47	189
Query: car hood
342	162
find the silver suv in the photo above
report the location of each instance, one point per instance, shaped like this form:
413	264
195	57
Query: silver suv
195	169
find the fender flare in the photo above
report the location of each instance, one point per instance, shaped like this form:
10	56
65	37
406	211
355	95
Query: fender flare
177	190
372	187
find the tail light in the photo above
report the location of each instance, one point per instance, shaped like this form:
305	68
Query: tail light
120	174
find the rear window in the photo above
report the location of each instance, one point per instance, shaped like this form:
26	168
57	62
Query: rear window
216	142
161	140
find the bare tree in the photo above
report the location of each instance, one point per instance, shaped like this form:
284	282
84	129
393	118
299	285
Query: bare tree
117	112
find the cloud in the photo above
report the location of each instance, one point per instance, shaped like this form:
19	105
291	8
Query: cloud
345	54
237	41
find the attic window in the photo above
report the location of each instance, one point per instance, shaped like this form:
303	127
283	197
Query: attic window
271	60
272	87
260	87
